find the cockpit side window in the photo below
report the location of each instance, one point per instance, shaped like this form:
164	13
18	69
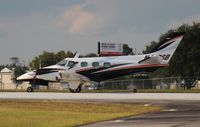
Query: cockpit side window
71	64
62	63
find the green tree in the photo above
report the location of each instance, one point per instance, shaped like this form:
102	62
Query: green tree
19	70
89	55
49	58
150	47
186	59
127	50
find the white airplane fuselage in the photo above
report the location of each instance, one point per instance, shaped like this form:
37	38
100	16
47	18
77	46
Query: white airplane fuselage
75	71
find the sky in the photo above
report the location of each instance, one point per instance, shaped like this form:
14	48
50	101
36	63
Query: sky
29	27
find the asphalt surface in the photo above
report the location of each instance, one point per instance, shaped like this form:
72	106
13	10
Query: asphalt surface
176	114
181	109
100	96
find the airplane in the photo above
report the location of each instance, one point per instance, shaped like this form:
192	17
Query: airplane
76	71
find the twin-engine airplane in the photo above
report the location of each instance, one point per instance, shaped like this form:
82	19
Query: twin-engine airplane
75	71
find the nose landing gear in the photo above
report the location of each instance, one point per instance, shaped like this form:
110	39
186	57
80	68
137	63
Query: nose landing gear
29	89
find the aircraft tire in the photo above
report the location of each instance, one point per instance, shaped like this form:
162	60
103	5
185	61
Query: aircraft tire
29	89
72	90
78	90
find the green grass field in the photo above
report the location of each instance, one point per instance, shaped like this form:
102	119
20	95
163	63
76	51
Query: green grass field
22	113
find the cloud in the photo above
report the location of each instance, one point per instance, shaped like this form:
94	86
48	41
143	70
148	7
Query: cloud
26	36
67	25
79	19
173	24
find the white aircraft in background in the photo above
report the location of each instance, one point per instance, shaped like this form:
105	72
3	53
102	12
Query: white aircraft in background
75	71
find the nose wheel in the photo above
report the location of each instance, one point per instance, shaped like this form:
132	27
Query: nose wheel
29	89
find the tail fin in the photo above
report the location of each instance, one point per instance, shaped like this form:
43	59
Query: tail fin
166	49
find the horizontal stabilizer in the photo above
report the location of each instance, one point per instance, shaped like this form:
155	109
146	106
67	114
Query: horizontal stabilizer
151	60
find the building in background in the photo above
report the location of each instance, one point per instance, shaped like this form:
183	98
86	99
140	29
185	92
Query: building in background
6	79
110	49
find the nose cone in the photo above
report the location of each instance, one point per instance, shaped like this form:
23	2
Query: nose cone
27	76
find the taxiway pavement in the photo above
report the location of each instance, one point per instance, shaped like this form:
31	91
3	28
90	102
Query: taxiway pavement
100	96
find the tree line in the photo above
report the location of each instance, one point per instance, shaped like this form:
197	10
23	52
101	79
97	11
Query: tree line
186	59
51	58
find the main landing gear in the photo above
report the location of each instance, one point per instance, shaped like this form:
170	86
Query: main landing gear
72	90
78	90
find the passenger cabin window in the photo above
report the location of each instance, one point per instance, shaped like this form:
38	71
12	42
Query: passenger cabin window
95	64
106	64
62	63
84	64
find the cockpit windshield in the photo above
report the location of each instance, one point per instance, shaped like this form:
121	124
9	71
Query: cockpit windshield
62	63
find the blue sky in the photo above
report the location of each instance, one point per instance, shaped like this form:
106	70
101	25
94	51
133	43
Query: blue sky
28	27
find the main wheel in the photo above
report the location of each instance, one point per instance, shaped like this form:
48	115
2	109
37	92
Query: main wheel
72	90
29	89
78	90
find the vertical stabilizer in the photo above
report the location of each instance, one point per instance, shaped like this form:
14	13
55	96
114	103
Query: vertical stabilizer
166	49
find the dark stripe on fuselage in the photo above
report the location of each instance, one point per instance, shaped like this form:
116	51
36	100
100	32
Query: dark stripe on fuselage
115	73
36	82
159	47
47	70
146	58
165	45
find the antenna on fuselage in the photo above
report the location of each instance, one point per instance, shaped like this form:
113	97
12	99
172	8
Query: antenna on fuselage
77	55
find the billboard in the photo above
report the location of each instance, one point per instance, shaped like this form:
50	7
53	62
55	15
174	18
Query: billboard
110	49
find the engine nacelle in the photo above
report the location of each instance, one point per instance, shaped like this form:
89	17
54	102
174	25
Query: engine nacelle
72	79
54	76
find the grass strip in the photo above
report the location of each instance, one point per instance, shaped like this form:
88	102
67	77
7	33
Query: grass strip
24	113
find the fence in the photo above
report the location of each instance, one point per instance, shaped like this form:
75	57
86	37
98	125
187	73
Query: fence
155	83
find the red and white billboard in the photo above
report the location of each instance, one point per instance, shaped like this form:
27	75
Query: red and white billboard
110	49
